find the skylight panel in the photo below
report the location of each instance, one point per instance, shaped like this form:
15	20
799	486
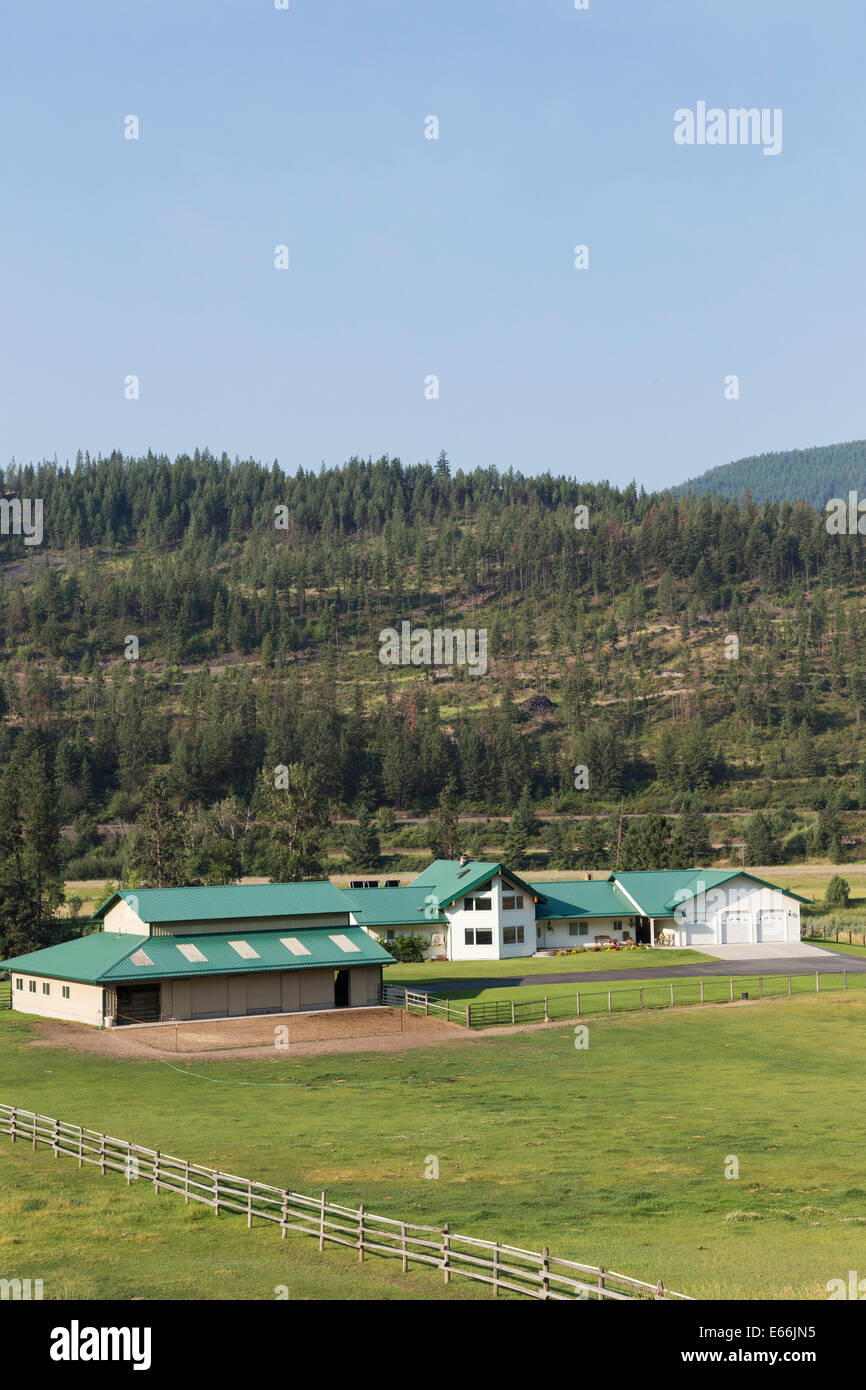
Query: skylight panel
140	958
292	944
344	943
192	953
245	950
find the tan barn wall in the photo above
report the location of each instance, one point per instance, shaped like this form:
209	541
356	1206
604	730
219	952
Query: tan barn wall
287	925
121	918
84	1004
234	996
364	983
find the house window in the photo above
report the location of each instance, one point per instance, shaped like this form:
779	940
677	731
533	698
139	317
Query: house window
478	936
519	933
65	991
468	904
509	936
389	936
577	929
617	926
46	988
31	985
483	904
512	902
19	984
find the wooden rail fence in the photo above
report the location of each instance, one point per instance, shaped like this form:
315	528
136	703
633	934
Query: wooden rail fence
716	989
505	1267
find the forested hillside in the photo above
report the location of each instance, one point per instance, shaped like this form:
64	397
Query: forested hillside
258	646
796	475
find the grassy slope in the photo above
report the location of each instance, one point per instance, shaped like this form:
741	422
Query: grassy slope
436	974
614	1154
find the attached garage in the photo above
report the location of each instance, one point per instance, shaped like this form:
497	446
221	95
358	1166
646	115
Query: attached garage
772	925
736	927
702	934
138	1004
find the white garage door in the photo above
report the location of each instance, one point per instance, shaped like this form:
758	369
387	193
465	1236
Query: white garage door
702	934
772	926
737	927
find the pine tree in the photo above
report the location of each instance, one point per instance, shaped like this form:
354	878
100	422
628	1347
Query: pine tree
297	819
522	827
446	835
362	843
158	854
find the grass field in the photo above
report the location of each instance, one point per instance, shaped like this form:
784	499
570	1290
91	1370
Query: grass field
614	1154
623	995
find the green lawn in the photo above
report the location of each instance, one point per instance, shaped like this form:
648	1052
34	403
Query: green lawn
613	1154
841	946
613	996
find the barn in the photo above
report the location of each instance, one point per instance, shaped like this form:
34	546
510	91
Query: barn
201	953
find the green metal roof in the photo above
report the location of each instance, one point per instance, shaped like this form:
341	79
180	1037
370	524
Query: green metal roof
160	957
231	901
85	958
660	891
582	898
449	879
394	907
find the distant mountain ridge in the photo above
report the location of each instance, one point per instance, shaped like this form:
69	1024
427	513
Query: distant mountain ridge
805	475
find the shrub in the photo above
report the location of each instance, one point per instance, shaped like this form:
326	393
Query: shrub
837	892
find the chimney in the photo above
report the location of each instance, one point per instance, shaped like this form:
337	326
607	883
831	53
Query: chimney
588	876
464	859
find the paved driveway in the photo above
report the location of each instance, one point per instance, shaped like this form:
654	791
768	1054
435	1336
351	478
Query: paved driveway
795	951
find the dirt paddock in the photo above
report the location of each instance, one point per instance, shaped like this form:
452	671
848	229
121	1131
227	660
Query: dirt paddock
341	1030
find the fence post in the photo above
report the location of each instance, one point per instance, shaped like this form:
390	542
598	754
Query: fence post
546	1011
672	993
468	1015
216	1193
361	1233
702	991
844	979
80	1146
186	1181
35	1122
322	1224
404	1248
284	1216
578	1003
54	1143
660	1289
608	1001
760	986
545	1272
156	1172
496	1270
790	991
102	1154
249	1204
512	1010
447	1010
601	1282
13	1118
641	996
426	1005
446	1252
732	989
817	983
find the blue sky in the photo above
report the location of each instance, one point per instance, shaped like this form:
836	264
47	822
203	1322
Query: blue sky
411	257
